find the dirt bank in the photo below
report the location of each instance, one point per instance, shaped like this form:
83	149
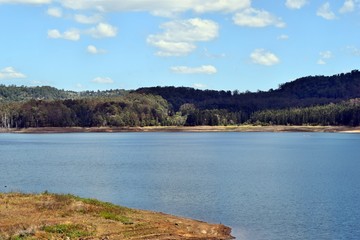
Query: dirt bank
50	216
241	128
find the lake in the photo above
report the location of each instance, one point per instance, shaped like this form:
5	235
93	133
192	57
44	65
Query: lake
263	185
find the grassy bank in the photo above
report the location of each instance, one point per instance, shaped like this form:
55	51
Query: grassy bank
52	216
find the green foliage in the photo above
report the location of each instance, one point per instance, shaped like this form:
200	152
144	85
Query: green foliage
309	100
96	202
68	230
303	92
115	217
344	113
129	110
20	238
14	93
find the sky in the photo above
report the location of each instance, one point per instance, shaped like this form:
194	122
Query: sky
245	45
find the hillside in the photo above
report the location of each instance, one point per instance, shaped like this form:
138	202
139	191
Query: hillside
341	86
303	92
21	93
312	100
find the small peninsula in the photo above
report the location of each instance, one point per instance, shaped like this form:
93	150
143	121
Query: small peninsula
54	216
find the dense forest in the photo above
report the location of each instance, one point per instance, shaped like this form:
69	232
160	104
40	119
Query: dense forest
303	92
14	93
312	100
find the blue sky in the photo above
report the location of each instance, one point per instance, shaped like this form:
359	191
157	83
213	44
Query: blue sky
207	44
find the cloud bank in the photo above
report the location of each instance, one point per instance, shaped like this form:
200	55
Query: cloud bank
325	12
159	7
72	35
179	36
263	57
103	80
257	18
295	4
205	69
11	73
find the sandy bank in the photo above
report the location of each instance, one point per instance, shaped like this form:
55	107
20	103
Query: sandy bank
242	128
50	216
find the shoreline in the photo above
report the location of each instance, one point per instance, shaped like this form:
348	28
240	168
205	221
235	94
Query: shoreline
64	216
241	128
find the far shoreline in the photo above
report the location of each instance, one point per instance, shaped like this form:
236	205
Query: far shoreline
240	128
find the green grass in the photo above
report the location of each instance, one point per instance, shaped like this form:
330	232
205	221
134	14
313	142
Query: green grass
21	238
115	217
65	199
106	210
68	230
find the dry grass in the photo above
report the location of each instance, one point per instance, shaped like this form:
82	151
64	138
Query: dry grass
51	216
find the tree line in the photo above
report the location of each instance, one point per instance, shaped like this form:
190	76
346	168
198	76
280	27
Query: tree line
130	110
303	92
344	113
314	100
152	110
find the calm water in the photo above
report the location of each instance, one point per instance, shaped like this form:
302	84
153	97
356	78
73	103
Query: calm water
264	185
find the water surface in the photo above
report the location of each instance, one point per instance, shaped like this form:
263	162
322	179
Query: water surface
264	185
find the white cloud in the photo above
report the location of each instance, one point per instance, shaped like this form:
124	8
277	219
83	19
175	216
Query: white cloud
354	50
190	30
179	36
159	7
321	62
103	80
54	12
94	50
199	85
324	56
257	18
10	73
54	33
263	57
88	19
169	49
202	6
349	6
295	4
205	69
283	37
26	1
103	30
325	12
72	34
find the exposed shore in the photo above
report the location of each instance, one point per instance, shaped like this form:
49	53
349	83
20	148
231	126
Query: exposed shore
51	216
241	128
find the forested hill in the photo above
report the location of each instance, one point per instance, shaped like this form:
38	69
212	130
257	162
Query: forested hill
21	93
306	91
341	86
314	100
303	92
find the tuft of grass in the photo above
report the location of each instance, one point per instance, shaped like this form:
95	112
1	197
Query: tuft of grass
68	230
92	201
115	217
105	205
18	238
